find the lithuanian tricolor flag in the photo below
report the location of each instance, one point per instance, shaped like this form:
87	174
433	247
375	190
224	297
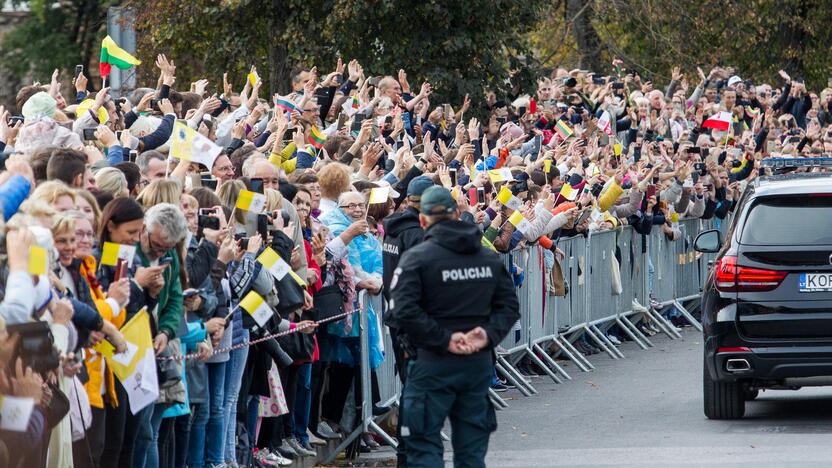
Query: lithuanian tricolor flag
316	138
563	129
112	54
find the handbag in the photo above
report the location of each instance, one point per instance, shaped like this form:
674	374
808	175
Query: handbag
299	346
328	302
561	288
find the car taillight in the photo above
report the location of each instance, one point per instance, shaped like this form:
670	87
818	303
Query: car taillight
731	277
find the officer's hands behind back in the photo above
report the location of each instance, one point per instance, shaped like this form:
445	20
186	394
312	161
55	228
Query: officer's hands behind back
468	343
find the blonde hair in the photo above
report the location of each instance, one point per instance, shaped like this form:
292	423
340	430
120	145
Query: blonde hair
160	191
49	192
273	198
90	199
63	222
112	181
33	209
228	193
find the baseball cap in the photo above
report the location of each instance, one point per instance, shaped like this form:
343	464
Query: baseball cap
734	80
437	200
418	185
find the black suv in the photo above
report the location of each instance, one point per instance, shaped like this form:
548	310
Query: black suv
767	302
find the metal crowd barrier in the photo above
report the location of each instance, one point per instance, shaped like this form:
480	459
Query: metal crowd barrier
595	301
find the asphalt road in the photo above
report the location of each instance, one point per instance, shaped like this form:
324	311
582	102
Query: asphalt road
646	410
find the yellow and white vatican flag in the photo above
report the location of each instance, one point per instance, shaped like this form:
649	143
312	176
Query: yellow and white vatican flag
136	367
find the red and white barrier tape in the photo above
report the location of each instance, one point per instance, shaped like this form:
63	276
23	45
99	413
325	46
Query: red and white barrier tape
254	342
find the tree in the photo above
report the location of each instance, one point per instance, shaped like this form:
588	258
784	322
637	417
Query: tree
54	37
460	47
756	37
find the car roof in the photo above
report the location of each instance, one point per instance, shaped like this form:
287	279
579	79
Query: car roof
793	184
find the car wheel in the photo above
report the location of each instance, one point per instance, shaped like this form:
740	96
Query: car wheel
723	400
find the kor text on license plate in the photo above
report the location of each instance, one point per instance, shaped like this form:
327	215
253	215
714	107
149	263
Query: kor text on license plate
815	282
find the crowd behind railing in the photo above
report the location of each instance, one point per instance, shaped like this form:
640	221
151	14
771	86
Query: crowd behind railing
182	268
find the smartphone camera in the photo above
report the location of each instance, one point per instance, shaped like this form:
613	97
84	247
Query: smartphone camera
242	240
89	134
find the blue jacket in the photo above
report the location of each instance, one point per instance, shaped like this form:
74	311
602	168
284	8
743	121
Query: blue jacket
12	194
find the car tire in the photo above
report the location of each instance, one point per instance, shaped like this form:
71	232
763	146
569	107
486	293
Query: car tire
723	400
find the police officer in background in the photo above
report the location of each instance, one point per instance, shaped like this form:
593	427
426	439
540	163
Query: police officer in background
452	301
402	232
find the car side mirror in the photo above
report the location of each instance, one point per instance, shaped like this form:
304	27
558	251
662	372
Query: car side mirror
709	241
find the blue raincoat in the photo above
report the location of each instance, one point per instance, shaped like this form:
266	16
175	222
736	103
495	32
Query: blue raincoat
364	256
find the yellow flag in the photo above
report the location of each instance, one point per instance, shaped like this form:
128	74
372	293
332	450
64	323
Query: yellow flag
251	201
547	166
111	252
616	149
136	333
37	260
186	144
379	194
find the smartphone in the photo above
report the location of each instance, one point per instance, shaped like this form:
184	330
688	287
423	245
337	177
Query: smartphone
256	184
452	173
132	155
78	70
154	104
263	226
446	110
481	195
618	85
473	200
584	215
209	183
191	292
242	239
771	146
651	191
694	150
89	134
118	135
699	168
356	124
165	261
121	269
342	120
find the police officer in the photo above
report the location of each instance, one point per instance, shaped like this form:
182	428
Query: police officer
402	232
453	301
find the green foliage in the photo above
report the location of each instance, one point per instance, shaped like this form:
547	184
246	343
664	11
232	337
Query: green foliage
460	47
756	37
37	47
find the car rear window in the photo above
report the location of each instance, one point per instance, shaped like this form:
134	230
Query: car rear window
793	220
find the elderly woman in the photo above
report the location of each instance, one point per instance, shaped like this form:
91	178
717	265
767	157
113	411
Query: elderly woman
340	344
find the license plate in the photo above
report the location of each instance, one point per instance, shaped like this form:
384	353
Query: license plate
815	282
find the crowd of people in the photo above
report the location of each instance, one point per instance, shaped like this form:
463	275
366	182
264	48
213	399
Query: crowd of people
340	165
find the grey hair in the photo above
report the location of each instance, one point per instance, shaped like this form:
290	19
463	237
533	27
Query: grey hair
346	195
143	160
170	219
248	169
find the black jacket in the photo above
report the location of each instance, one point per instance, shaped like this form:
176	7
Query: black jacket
450	283
402	232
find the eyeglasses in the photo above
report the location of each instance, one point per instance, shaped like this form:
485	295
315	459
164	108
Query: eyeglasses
155	248
314	109
228	168
83	234
353	206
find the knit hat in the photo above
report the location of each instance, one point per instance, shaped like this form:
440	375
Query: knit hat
734	80
39	105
